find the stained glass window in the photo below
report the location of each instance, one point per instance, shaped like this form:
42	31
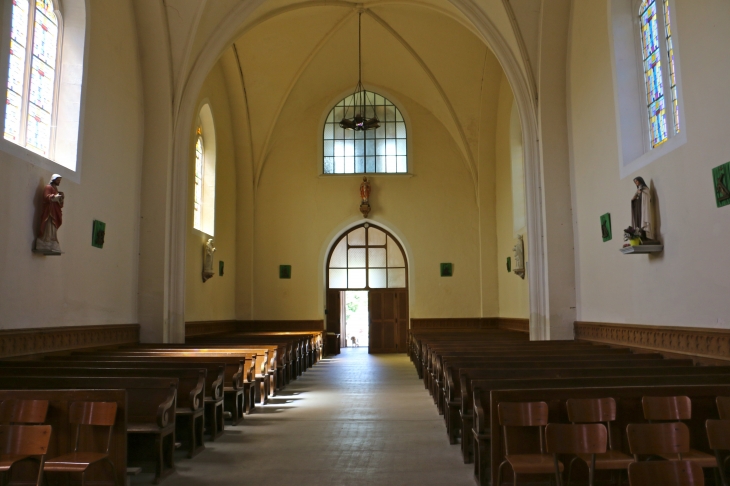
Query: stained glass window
367	258
32	75
383	150
653	73
198	197
672	68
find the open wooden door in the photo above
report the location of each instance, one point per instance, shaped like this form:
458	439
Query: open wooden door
388	321
334	318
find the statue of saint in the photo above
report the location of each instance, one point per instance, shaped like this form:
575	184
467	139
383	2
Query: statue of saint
365	197
642	214
208	250
519	251
51	217
365	190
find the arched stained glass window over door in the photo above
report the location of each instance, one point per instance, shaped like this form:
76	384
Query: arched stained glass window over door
383	150
367	258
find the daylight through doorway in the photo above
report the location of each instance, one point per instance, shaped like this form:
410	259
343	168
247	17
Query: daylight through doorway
356	319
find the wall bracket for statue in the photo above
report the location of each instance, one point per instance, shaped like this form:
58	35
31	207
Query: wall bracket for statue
51	218
365	197
641	236
208	250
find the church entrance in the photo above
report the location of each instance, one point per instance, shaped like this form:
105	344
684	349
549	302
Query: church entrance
367	290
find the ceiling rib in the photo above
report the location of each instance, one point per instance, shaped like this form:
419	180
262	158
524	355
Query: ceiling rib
464	146
265	149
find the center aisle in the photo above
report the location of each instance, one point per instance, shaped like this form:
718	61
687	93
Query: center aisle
351	419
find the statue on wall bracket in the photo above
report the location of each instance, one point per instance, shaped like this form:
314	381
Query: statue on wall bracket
365	197
208	250
641	236
519	250
51	218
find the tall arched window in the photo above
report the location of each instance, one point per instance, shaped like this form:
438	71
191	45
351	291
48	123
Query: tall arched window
658	51
383	150
367	258
32	77
204	175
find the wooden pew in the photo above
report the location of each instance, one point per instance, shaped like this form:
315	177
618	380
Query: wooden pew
61	441
487	432
150	410
472	377
457	397
628	405
190	393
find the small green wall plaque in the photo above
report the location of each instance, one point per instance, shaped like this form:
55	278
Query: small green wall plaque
284	271
509	264
447	269
721	184
220	268
606	227
97	234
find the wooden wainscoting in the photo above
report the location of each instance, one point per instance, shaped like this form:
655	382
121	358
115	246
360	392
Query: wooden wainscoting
24	342
453	323
201	328
704	345
514	324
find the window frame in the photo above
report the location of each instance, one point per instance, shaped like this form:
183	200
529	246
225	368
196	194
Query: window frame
394	100
206	123
69	90
630	98
198	203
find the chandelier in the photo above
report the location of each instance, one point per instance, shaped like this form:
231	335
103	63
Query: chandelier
360	102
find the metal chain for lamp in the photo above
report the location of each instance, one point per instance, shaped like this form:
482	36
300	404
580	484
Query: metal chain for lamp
359	120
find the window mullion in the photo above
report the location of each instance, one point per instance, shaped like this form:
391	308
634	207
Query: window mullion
26	76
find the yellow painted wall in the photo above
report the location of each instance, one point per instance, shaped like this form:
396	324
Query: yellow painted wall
85	285
215	298
513	291
687	284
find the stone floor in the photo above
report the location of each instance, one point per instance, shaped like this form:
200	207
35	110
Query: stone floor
355	419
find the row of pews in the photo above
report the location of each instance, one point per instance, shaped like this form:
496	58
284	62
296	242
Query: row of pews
506	399
164	397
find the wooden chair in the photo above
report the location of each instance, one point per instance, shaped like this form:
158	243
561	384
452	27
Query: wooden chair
598	410
19	442
675	409
718	435
723	407
584	439
23	412
87	414
526	414
666	473
669	438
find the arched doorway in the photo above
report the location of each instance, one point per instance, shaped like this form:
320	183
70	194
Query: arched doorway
369	261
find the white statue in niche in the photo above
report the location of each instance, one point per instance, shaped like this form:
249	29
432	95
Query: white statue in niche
208	250
519	250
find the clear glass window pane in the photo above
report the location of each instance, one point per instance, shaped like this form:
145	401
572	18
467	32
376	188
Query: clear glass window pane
402	166
356	278
366	144
396	278
395	256
338	279
377	278
339	255
375	237
376	257
356	237
356	258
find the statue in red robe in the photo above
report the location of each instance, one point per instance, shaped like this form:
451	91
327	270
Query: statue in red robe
51	217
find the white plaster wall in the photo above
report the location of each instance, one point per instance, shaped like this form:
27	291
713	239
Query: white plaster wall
85	285
687	284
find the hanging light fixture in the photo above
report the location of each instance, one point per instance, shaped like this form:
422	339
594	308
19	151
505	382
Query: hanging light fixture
359	120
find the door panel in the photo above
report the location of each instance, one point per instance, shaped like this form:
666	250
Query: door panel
334	323
388	321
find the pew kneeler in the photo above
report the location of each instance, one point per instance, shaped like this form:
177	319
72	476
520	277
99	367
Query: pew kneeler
87	415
